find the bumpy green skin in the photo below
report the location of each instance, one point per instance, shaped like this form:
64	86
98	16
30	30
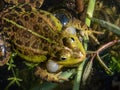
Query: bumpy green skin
36	36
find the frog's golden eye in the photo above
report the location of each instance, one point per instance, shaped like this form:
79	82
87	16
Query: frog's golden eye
68	41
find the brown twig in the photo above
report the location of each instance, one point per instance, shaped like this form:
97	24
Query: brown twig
79	5
109	44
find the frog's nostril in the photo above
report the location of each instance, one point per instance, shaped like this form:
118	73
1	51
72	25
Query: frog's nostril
63	58
52	66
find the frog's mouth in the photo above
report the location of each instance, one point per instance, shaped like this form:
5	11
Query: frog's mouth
66	58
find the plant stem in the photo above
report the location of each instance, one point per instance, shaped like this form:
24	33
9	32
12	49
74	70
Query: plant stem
78	76
90	10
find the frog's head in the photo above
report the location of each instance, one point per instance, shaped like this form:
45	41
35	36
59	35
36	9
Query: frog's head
70	55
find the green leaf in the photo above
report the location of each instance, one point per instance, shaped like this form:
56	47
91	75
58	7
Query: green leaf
115	29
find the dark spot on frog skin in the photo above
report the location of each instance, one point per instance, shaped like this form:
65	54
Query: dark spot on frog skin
36	27
6	34
46	28
14	15
25	53
35	45
39	19
19	51
8	48
9	17
19	42
14	28
27	44
38	4
21	1
32	15
48	16
11	2
45	48
53	23
26	18
18	9
20	22
26	34
7	24
27	7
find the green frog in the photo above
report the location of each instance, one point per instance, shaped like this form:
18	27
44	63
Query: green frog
38	36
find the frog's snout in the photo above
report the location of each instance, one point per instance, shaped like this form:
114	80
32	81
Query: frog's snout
52	66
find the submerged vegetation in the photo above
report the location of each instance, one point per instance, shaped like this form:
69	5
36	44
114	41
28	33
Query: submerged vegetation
102	46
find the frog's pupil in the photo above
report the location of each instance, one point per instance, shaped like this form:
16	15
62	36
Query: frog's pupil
63	58
72	39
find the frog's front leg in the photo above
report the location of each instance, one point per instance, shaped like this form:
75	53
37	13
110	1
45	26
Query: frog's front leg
50	77
5	51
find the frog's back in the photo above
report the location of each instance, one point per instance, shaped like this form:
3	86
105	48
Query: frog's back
34	3
33	32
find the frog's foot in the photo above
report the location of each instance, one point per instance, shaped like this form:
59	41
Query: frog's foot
5	59
4	52
91	34
50	77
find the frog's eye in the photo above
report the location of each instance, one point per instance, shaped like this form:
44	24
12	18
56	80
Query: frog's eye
71	30
68	41
72	39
